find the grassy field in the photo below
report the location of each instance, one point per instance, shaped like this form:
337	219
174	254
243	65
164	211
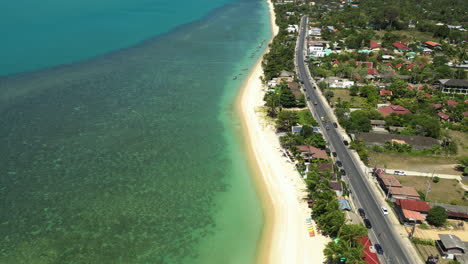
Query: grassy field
356	101
409	34
461	139
445	191
400	161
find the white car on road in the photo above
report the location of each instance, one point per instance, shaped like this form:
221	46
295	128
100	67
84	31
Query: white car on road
401	173
384	210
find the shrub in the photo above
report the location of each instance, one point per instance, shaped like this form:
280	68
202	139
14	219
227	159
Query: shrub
420	241
435	179
437	216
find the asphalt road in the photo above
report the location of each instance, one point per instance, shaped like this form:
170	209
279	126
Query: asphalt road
382	229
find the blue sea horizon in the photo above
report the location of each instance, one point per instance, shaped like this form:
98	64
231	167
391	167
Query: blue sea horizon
132	154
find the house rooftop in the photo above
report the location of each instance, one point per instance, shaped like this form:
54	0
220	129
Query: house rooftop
452	241
454	82
400	46
337	186
412	215
443	116
397	109
419	206
369	256
389	180
452	103
314	152
407	191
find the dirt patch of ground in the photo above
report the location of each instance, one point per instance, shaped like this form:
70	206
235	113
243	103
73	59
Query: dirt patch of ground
426	251
445	191
427	164
433	234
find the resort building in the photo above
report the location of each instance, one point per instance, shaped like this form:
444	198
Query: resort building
458	86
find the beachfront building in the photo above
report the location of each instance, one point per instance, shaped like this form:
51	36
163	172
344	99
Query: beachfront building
316	50
292	28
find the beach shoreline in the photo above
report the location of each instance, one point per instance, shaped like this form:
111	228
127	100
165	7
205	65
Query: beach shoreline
285	237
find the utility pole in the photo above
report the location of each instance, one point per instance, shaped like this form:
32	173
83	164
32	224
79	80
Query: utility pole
428	185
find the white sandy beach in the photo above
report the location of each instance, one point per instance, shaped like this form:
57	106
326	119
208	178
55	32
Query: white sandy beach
285	238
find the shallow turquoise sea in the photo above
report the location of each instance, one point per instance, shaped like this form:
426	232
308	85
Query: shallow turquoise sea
133	155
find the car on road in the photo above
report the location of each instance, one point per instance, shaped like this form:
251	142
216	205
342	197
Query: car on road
335	124
327	127
362	213
345	142
384	210
315	103
338	163
401	173
343	172
379	249
367	223
334	154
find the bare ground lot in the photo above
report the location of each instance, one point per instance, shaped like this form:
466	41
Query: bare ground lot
428	164
445	191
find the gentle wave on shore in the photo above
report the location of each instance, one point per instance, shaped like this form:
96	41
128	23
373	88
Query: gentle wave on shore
132	157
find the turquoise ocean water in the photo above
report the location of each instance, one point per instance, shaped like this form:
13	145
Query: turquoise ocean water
132	156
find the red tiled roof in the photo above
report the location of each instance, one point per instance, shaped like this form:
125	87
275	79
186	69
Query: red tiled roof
372	71
316	153
428	95
398	65
413	215
385	92
389	64
369	257
432	44
397	109
325	166
335	62
410	87
336	186
400	46
420	88
436	106
367	63
456	214
443	116
374	45
409	66
452	103
465	113
413	205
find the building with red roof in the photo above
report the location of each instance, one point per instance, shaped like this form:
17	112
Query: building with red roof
369	64
372	71
428	95
430	44
436	106
409	66
443	116
413	205
369	256
465	113
384	92
374	45
452	103
397	109
400	46
398	65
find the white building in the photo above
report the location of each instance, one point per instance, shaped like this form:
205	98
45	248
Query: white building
316	51
292	28
315	31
